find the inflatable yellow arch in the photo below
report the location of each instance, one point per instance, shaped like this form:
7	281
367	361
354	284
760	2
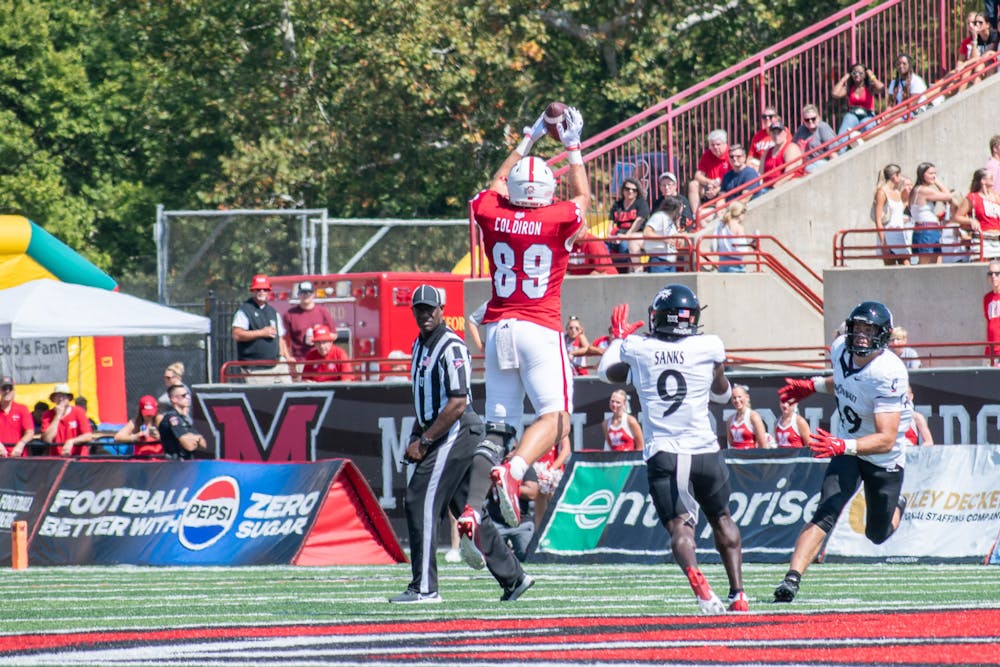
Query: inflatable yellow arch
95	366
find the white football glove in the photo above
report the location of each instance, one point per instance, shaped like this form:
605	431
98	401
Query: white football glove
536	131
571	129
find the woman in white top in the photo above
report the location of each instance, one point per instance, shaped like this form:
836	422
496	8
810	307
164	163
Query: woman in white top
905	83
926	193
894	232
662	252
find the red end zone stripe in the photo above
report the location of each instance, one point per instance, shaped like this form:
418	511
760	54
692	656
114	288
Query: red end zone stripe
823	637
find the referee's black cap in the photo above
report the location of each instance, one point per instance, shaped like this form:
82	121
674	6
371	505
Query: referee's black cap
428	295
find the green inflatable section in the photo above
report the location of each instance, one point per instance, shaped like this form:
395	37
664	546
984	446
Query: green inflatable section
64	263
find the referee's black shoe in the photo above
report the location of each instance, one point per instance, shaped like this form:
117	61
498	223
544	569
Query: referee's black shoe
514	592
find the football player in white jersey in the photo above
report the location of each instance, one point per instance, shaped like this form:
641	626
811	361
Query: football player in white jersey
874	413
676	372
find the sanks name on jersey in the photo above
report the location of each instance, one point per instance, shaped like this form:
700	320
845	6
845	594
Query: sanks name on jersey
517	226
669	357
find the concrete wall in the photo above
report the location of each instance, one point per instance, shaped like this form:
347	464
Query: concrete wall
934	303
807	213
750	310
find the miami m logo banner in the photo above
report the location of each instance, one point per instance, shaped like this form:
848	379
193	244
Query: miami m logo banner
290	436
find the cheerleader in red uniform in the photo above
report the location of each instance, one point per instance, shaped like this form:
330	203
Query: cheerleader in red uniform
791	430
622	432
745	429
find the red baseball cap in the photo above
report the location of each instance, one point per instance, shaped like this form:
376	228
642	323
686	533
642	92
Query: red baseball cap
260	281
147	405
322	333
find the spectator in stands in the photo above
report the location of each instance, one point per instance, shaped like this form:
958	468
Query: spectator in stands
782	161
926	225
325	362
180	440
712	166
745	428
739	175
668	188
65	426
589	255
622	432
37	412
662	252
905	83
861	88
81	403
991	311
173	374
143	430
791	429
897	343
761	140
993	163
813	133
628	215
260	336
979	212
918	433
982	40
299	322
577	345
889	215
17	428
730	250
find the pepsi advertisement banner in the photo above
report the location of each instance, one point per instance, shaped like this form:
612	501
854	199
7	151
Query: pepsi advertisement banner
180	513
602	511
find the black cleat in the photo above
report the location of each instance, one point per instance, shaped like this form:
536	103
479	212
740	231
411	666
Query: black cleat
514	592
787	589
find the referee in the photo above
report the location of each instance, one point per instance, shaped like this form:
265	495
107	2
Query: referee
444	439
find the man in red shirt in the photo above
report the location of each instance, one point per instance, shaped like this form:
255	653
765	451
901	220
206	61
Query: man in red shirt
300	319
17	428
325	362
527	237
590	256
712	166
65	426
991	310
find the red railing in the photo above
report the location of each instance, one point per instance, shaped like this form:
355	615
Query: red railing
799	70
863	244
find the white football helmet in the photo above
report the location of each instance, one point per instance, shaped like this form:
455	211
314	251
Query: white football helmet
530	183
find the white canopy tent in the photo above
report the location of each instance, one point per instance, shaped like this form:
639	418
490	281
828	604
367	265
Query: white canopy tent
50	309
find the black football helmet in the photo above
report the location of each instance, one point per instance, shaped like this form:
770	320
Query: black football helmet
675	312
875	314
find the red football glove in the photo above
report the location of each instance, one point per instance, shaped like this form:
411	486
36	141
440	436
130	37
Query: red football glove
825	446
796	389
620	328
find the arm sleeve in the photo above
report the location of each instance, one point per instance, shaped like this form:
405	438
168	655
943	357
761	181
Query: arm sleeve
456	367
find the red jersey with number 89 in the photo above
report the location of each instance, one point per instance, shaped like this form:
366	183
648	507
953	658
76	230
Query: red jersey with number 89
528	251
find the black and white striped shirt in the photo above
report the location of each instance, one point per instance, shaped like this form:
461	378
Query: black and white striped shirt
441	368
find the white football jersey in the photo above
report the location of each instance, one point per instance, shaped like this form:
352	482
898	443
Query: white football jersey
881	386
673	379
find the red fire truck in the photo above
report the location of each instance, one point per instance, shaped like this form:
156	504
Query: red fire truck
371	311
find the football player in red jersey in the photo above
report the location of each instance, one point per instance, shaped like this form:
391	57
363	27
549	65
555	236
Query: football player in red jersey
527	238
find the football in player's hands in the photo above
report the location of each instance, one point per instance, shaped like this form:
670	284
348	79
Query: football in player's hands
554	118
